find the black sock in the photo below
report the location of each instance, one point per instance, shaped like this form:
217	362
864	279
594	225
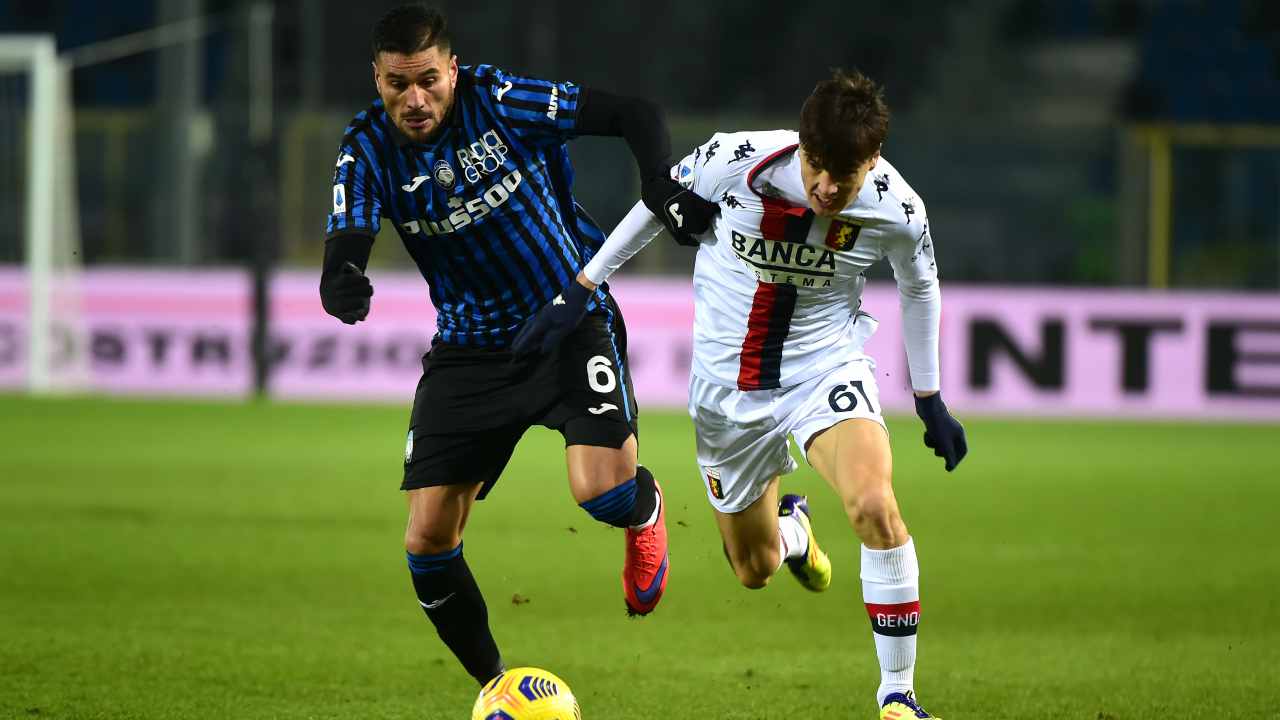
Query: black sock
646	497
449	595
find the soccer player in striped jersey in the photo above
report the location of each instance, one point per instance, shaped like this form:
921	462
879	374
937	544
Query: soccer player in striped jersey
778	337
470	166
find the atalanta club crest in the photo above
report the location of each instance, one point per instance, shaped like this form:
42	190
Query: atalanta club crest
444	174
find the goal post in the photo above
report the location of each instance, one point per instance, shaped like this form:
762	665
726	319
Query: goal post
50	216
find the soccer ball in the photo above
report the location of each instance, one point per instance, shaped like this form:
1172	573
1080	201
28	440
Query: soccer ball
526	693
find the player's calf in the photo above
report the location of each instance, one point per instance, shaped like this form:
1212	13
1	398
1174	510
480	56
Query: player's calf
449	596
754	565
636	506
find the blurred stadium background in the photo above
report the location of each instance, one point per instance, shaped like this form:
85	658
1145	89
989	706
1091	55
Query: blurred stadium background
1103	184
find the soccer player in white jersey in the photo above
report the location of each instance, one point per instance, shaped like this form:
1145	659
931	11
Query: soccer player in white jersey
778	338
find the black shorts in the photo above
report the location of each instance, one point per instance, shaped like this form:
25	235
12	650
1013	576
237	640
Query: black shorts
473	404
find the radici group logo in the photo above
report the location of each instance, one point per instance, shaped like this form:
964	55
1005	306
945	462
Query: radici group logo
483	157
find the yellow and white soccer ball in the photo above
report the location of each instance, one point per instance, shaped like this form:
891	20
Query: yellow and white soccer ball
526	693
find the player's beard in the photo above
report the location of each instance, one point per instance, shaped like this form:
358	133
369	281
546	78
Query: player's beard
424	126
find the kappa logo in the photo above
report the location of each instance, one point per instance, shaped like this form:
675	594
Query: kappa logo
924	246
713	482
730	200
743	152
882	185
711	150
909	209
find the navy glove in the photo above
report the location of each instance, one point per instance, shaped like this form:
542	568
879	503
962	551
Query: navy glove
682	212
553	322
942	433
345	294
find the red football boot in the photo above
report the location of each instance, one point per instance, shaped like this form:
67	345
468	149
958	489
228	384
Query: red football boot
644	576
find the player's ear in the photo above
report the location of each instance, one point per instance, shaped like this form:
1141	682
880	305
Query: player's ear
377	79
453	71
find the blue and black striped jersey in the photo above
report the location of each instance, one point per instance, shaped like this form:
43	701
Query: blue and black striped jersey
486	210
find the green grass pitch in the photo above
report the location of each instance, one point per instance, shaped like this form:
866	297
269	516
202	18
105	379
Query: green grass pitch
205	560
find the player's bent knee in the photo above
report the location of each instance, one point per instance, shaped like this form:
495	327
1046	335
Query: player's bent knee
430	541
874	516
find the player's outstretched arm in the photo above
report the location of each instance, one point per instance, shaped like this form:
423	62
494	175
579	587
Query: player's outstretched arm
345	291
640	122
554	321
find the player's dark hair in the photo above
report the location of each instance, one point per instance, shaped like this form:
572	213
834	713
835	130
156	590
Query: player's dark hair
408	29
843	122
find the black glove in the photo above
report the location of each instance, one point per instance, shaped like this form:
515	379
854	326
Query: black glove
553	322
345	294
943	433
680	211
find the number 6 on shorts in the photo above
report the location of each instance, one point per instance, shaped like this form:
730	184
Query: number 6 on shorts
600	374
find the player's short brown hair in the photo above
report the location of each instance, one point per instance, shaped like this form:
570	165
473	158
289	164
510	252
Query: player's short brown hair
409	29
843	122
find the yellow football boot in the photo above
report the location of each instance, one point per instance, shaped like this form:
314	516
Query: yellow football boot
903	706
813	569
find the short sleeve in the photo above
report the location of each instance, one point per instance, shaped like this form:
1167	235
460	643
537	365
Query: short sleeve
357	203
538	110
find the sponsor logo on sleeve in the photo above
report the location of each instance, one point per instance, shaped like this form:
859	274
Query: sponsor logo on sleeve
744	151
339	199
554	104
909	209
882	185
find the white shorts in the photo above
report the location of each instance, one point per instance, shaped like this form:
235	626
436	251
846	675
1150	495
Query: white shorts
742	434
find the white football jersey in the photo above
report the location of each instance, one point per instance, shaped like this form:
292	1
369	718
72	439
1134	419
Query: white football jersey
778	289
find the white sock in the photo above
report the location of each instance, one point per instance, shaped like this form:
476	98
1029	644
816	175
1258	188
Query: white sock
891	591
794	540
